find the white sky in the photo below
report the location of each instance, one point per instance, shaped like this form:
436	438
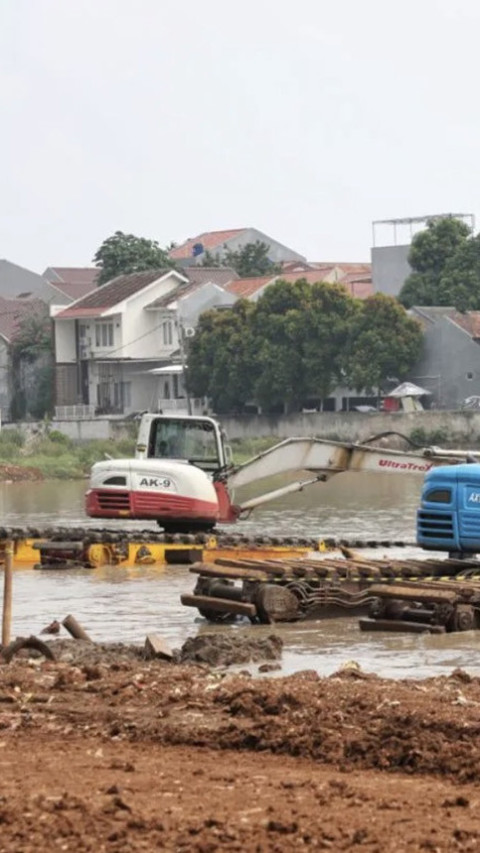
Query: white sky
166	118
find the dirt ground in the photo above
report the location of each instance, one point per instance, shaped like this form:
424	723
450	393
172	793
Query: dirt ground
18	473
104	751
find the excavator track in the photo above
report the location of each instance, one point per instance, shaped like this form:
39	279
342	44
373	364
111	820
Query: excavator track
86	547
414	595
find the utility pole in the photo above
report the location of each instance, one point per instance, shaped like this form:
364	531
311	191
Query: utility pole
181	341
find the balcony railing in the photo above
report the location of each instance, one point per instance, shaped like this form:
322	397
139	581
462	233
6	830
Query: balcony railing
74	413
180	405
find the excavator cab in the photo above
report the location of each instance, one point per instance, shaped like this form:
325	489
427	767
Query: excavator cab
199	441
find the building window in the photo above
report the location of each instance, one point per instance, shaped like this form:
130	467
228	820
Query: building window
469	375
167	333
122	395
104	334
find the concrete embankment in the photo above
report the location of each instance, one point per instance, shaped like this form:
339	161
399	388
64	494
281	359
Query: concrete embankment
354	426
456	426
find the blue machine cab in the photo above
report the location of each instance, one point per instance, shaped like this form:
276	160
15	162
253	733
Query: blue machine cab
449	514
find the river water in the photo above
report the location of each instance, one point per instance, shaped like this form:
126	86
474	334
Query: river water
115	604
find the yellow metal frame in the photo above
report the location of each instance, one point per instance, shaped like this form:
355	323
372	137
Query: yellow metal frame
154	553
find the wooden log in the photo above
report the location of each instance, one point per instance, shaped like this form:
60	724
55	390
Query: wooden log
276	569
7	593
211	570
415	592
75	629
276	604
399	625
221	605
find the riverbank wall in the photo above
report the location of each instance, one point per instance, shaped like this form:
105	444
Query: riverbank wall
354	426
429	426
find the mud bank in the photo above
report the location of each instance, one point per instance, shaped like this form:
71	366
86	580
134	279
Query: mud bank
121	754
19	473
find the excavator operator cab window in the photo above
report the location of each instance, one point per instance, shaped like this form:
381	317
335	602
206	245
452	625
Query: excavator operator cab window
195	441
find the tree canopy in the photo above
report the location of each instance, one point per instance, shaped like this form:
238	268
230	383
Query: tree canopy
297	343
460	282
432	252
32	366
248	261
383	342
125	253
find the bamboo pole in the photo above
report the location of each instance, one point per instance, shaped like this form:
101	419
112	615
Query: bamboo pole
7	593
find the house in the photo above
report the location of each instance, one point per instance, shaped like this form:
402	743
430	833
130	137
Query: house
449	366
17	282
355	278
12	313
72	282
218	243
120	348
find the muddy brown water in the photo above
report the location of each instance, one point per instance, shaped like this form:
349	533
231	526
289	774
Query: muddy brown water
117	604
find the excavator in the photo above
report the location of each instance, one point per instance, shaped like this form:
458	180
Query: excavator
183	476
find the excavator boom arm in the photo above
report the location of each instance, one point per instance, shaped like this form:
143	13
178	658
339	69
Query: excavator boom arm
321	456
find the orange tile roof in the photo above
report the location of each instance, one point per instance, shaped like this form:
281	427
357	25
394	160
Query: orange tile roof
359	286
245	287
210	241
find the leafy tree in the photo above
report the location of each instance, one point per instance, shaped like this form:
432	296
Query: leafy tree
298	342
460	282
125	253
251	260
430	253
221	358
211	260
287	347
32	366
301	333
384	341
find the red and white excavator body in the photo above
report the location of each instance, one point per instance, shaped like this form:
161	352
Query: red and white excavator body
182	475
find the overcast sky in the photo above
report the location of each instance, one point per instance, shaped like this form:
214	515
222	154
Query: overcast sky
166	118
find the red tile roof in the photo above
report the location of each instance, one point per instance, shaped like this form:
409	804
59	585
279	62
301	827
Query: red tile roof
356	285
13	311
111	294
77	275
75	290
245	287
210	241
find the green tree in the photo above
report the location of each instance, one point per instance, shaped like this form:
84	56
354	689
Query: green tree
32	366
460	282
211	260
383	342
301	331
251	260
125	253
221	358
430	253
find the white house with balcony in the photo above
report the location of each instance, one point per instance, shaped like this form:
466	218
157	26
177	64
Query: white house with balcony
120	348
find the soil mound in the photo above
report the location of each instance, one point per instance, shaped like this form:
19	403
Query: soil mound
223	650
18	473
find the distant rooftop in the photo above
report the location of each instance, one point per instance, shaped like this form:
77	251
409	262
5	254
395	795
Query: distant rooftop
411	221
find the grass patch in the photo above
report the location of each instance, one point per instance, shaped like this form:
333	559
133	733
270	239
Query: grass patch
59	457
244	448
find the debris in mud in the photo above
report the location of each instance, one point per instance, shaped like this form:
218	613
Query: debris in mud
225	650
